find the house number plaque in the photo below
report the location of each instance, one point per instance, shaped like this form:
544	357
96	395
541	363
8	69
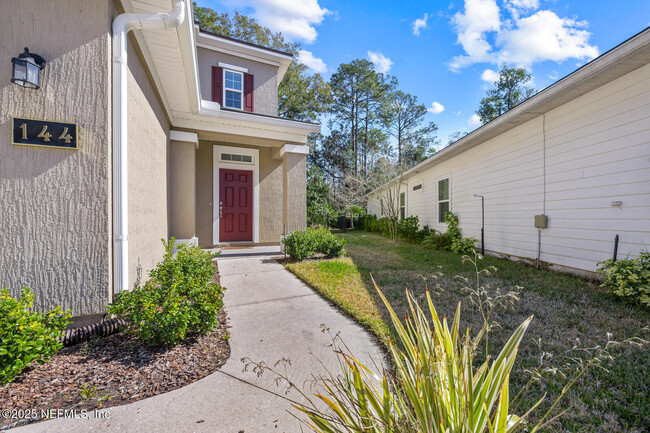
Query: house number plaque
30	132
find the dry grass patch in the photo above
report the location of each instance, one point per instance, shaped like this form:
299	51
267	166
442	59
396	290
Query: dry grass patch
339	281
571	315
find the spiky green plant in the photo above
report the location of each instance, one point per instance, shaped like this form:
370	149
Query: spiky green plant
434	386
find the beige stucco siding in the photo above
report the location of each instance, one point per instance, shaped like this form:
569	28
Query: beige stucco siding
270	196
294	167
204	188
148	155
182	190
597	152
55	225
264	79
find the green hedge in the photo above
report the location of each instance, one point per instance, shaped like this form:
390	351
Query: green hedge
27	336
302	244
408	229
180	298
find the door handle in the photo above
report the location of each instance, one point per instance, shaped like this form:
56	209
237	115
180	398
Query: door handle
220	210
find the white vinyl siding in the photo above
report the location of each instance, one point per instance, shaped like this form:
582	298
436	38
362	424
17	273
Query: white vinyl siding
597	152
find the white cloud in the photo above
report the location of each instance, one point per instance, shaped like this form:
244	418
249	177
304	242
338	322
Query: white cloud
490	76
480	17
314	63
419	24
554	75
545	36
294	18
381	62
474	122
436	108
516	7
521	41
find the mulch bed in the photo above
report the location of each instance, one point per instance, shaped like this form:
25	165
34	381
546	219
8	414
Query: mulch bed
114	370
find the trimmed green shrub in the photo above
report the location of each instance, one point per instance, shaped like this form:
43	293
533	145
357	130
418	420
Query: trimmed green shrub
437	240
27	336
328	244
459	245
299	245
180	298
408	228
628	279
302	244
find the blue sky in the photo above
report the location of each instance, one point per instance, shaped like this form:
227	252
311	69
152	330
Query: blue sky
446	52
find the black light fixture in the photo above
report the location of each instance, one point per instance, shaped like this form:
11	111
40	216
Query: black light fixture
26	69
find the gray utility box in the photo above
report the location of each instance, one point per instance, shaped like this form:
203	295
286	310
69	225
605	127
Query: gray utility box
541	221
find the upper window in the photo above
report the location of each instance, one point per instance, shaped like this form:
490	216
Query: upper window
233	85
417	187
443	199
402	205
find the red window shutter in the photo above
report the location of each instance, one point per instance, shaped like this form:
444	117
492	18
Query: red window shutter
217	85
248	92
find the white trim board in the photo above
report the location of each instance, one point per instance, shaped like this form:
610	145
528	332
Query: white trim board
216	165
233	67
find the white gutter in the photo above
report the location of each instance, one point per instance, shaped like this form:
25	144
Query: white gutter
121	26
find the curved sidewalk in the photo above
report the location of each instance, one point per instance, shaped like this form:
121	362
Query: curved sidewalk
273	315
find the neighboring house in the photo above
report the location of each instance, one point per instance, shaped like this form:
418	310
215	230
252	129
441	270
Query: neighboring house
577	152
183	141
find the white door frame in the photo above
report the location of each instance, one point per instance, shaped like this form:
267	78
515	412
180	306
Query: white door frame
217	163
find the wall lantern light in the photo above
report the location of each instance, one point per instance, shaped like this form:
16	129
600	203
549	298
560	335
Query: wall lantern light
26	68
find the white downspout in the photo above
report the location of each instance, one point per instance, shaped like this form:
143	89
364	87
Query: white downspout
121	26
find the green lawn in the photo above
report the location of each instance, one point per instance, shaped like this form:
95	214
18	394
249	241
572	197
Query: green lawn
570	313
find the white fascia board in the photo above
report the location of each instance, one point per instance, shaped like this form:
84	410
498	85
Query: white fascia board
237	54
213	109
245	47
249	129
534	106
190	58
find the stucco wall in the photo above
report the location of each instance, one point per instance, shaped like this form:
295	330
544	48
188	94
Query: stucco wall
295	200
54	218
270	178
264	79
148	154
204	193
270	196
182	190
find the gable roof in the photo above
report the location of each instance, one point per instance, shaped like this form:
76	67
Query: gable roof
624	58
239	41
171	57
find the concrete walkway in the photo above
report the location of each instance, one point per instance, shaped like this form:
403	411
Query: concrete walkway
273	315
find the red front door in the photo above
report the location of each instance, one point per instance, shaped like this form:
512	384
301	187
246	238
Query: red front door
236	205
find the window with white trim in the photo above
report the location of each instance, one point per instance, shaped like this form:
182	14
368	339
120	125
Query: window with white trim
233	85
402	205
443	199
